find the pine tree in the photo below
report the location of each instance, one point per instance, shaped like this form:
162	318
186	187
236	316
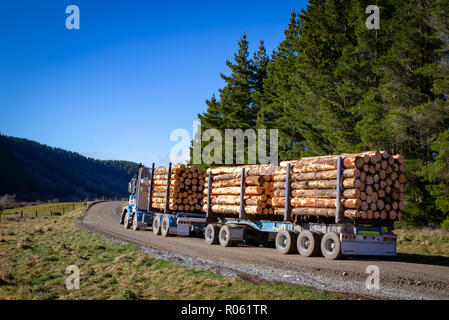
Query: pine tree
213	118
237	108
261	60
276	91
334	86
405	110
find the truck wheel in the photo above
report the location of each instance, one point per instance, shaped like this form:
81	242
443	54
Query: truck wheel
211	234
331	246
308	243
156	226
126	220
165	227
122	216
135	225
286	242
225	237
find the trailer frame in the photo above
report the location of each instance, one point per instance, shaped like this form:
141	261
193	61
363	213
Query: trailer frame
353	239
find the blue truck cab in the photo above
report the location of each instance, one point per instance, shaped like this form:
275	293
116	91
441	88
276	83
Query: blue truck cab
136	213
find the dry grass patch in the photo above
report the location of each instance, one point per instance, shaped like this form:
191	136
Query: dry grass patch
431	242
35	255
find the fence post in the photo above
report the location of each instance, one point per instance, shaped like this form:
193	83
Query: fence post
21	214
63	211
36	214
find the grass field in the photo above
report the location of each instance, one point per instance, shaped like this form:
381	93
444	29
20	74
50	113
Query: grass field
35	253
427	242
44	209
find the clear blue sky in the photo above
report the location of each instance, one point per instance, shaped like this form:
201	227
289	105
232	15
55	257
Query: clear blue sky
135	71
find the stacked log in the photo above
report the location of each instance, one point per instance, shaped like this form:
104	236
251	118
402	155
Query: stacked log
186	188
372	186
226	188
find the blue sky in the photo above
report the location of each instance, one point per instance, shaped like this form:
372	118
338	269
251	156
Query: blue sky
133	73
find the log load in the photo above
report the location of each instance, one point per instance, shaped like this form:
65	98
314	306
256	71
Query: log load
226	188
185	188
372	186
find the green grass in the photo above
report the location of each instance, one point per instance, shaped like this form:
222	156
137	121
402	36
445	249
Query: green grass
44	209
35	253
428	242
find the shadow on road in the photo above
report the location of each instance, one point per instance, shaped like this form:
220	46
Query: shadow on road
408	258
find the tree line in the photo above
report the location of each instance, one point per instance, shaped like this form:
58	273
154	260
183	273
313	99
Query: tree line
334	86
32	171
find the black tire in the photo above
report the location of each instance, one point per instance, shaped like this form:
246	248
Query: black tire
165	227
331	246
224	237
308	243
126	220
156	226
286	242
211	234
122	216
135	224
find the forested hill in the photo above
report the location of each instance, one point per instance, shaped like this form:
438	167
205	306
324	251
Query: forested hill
333	86
33	171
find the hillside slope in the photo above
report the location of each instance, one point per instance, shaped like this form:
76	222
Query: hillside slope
34	171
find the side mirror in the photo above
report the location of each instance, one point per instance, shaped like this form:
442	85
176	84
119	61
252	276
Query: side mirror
132	186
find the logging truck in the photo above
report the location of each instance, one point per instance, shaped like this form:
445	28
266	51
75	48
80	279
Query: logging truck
333	233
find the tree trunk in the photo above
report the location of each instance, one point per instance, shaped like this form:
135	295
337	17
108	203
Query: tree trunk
234	210
250	181
235	191
325	203
319	175
235	201
320	193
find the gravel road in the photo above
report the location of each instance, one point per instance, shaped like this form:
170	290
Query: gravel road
402	277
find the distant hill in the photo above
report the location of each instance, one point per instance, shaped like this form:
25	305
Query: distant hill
33	171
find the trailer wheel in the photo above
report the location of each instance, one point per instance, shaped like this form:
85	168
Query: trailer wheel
308	243
286	242
126	220
211	234
122	216
225	237
165	227
156	226
135	225
331	246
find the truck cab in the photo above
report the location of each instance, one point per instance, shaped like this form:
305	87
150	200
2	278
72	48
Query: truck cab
136	213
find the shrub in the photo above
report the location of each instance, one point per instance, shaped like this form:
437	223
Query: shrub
445	224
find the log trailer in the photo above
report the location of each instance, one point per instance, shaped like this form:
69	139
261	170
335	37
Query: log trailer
332	239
